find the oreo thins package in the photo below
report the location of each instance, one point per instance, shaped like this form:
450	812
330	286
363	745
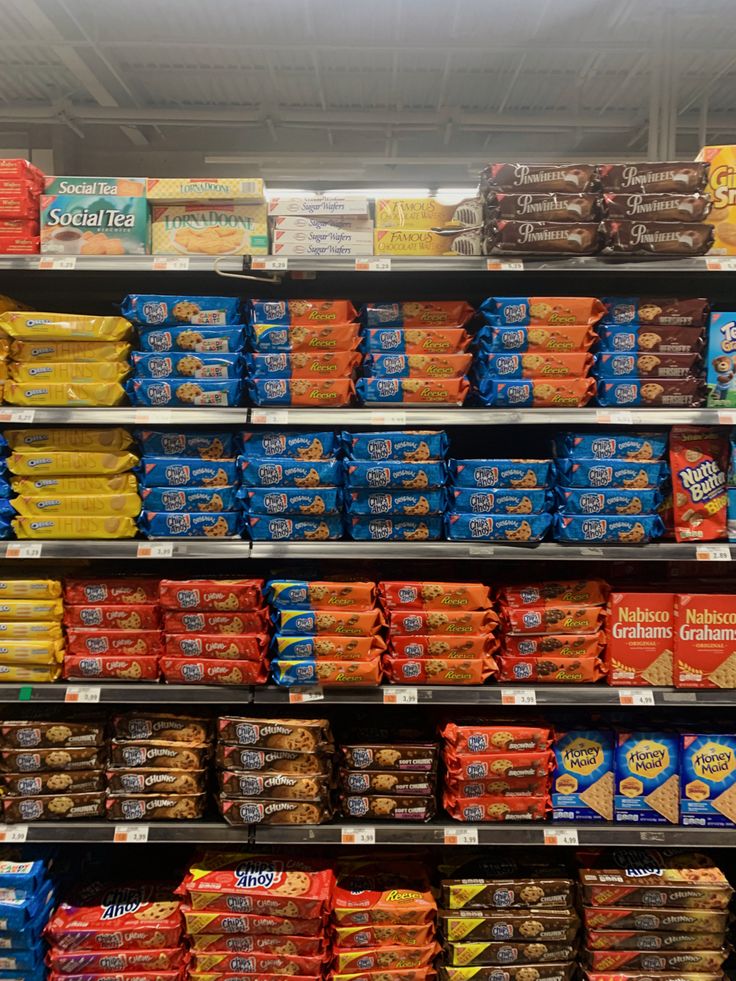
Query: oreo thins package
583	779
647	778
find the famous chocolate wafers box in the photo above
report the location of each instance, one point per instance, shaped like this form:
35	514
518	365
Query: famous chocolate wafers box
647	778
582	785
708	768
639	649
705	641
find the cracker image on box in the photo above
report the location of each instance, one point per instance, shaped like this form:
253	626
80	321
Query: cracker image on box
708	776
583	780
647	778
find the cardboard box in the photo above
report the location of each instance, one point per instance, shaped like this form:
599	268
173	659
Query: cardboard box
125	187
705	641
330	236
299	223
427	213
317	249
582	783
422	241
721	359
722	189
708	780
640	639
647	778
216	229
200	190
316	205
79	224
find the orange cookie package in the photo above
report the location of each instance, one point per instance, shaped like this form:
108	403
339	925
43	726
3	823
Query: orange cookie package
439	340
699	462
559	645
439	670
570	618
320	391
551	667
434	595
587	592
564	310
444	645
455	622
496	808
307	312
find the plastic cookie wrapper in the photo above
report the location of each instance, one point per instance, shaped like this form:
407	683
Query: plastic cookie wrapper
618	474
700	463
211	594
53	807
308	501
31	673
645	339
315	392
122	483
232	943
579	500
647	447
471	500
415	341
68	372
203	446
230	647
289	786
548	205
527	528
437	391
314	365
182	524
622	529
501	772
496	738
497	339
114	440
554	617
417	365
393	474
301	312
277	338
311	671
120	617
677	392
408	595
241	760
212	671
625	929
550	668
179	472
540	365
375	936
123	505
265	528
42	630
169	365
30	589
544	972
73	527
402	446
427	528
31	608
634	310
155	921
417	313
546	925
565	178
134	667
344	623
495	808
363	782
439	670
661	365
157	754
117	643
28	462
210	622
396	503
61	352
558	645
327	646
542	238
190	499
449	646
381	958
33	326
161	806
237	811
202	391
364	898
71	962
506	474
115	592
195	340
656	237
697	961
390	806
452	622
555	311
38	652
50	735
293	446
284	594
274	965
58	393
286	472
153	310
142	726
544	392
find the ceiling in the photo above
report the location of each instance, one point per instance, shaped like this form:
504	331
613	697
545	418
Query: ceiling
320	92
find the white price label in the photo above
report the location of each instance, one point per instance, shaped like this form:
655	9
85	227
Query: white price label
269	262
561	836
275	417
726	418
387	419
461	836
712	553
313	693
400	696
358	836
617	418
382	264
58	262
130	834
82	693
13	833
17	415
146	417
155	550
495	265
23	550
482	551
722	263
518	696
170	263
636	696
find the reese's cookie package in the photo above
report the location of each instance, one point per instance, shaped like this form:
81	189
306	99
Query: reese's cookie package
31	638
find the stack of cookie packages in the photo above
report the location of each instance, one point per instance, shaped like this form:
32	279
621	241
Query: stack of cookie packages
65	359
52	770
27	900
190	350
553	631
31	640
731	491
395	485
302	352
609	487
113	629
415	352
215	631
535	351
292	486
383	922
653	914
495	772
274	771
439	633
327	633
650	352
158	767
257	916
7	511
73	483
189	485
389	781
499	500
510	917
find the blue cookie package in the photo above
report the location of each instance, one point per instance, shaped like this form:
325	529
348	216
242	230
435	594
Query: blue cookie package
623	310
17	914
25	961
410	446
206	446
526	474
288	647
288	594
607	446
192	365
391	474
189	340
186	394
20	879
469	500
634	474
446	391
151	310
499	339
303	672
6	529
187	472
213	524
264	528
610	364
366	529
521	528
190	499
396	502
298	446
312	501
585	500
284	472
512	310
383	340
635	529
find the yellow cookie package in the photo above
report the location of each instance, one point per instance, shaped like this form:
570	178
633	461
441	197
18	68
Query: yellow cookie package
31	639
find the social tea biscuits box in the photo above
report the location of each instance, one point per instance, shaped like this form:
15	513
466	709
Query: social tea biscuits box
705	641
125	187
721	359
722	189
708	767
639	648
582	785
93	224
647	778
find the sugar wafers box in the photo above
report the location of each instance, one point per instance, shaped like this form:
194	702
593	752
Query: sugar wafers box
639	649
708	769
647	778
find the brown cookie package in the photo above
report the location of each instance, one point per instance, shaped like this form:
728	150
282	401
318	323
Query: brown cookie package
274	771
158	767
391	781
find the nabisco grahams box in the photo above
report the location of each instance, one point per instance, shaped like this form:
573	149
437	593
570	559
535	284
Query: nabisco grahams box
705	640
639	647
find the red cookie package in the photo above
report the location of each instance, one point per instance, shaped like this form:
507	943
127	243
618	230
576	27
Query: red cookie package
699	462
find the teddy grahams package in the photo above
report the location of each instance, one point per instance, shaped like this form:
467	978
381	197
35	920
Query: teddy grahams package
647	778
639	639
583	782
705	641
708	766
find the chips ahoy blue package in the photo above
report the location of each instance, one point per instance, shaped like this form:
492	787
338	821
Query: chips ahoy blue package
287	594
470	500
551	392
147	310
206	446
395	474
16	914
213	524
293	500
417	365
182	472
624	529
554	311
636	474
647	778
283	472
395	529
189	498
205	340
586	500
523	528
298	446
182	365
202	392
20	878
406	445
390	340
582	782
408	503
301	312
264	528
527	474
606	446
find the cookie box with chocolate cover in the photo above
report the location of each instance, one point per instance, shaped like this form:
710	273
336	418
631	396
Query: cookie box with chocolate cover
290	501
539	925
301	736
286	594
438	340
687	391
550	392
237	647
580	500
404	783
51	735
495	807
510	972
576	338
662	365
308	339
497	528
121	783
132	667
436	391
169	365
203	391
98	962
187	472
212	671
295	446
648	340
270	965
547	365
204	340
155	310
320	528
583	780
289	786
706	961
285	472
188	499
393	956
611	473
155	807
708	775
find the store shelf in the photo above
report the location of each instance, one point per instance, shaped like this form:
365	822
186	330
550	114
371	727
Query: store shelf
132	693
104	832
124	416
100	549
